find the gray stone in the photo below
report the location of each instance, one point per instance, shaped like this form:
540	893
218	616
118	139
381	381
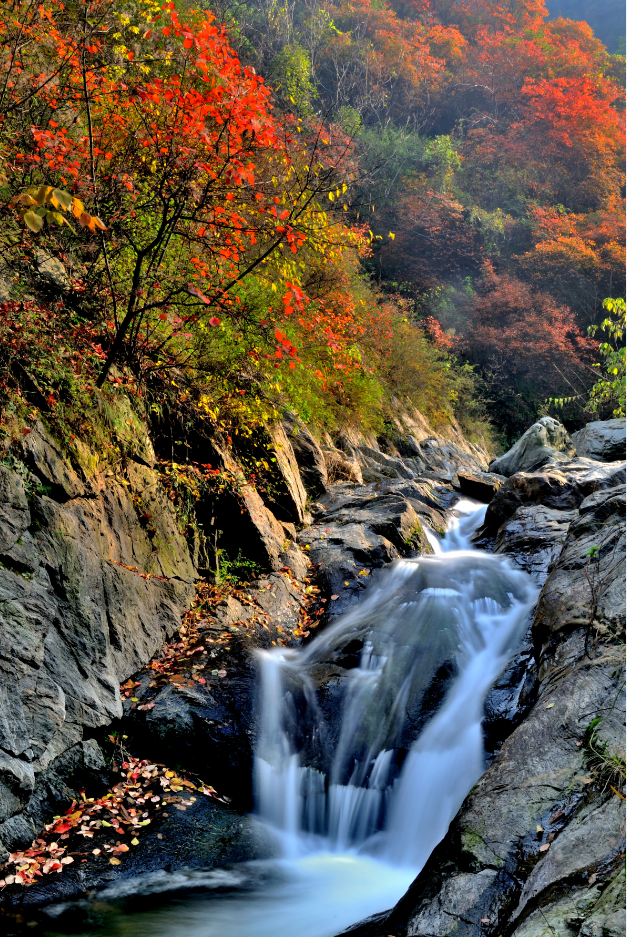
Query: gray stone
52	271
603	440
294	498
75	619
545	441
533	537
480	485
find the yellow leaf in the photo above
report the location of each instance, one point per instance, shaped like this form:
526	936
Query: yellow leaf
114	861
135	842
64	199
42	194
392	235
77	207
33	221
539	829
170	774
331	197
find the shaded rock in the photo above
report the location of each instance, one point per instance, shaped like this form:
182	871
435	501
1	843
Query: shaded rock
310	459
76	620
174	852
480	485
562	487
292	500
603	440
545	441
210	727
43	455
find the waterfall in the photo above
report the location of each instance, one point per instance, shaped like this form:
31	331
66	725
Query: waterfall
370	737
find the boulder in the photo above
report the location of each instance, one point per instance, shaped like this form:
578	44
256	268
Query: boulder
545	441
52	271
603	440
480	485
290	502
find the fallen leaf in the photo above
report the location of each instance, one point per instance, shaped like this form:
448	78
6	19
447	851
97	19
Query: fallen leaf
485	920
550	706
96	852
539	829
334	597
134	842
114	861
222	673
592	878
545	847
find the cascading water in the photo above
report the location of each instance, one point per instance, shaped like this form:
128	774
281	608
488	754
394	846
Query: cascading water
433	632
370	738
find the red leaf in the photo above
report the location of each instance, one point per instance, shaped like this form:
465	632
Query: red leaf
214	320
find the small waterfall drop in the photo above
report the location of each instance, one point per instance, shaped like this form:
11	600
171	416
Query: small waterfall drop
371	736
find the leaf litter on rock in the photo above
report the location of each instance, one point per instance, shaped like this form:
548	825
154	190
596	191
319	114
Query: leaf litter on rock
93	818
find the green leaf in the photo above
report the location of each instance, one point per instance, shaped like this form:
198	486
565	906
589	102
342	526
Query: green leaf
33	221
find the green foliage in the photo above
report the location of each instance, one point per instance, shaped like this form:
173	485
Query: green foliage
609	390
290	75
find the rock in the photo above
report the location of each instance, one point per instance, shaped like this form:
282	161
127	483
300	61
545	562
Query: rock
177	851
533	537
45	458
545	441
210	727
603	440
52	271
562	487
480	485
361	531
341	468
291	500
88	592
384	465
310	459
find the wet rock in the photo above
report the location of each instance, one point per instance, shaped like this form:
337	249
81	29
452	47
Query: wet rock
545	441
174	852
481	486
603	440
360	530
533	537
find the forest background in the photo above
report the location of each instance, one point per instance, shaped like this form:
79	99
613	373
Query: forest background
329	207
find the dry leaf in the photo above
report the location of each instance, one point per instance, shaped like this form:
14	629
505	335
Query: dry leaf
545	847
114	861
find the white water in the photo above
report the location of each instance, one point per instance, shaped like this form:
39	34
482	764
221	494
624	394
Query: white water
379	786
359	808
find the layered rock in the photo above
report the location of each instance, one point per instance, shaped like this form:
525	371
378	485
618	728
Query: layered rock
88	591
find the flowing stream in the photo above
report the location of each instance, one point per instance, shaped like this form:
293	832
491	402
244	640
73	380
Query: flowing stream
370	739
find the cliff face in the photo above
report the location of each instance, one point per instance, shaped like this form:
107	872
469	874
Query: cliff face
76	620
94	577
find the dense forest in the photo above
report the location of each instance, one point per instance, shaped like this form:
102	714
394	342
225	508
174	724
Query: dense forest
324	206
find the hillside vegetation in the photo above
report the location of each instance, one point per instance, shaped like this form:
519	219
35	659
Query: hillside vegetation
325	207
